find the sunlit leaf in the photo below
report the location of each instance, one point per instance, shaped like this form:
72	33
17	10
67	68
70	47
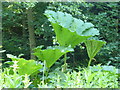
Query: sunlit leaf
69	30
28	66
51	54
25	66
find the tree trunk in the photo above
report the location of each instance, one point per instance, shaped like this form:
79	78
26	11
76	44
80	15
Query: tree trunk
31	32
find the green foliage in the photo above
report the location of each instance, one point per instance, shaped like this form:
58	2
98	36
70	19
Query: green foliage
73	32
93	47
15	80
105	18
111	53
13	17
92	77
15	29
107	13
51	54
69	30
84	78
110	69
25	66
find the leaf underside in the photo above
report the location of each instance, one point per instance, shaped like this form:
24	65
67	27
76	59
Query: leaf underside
69	30
93	46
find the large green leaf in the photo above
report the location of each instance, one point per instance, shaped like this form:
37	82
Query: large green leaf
28	66
25	66
65	37
69	30
51	54
93	46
